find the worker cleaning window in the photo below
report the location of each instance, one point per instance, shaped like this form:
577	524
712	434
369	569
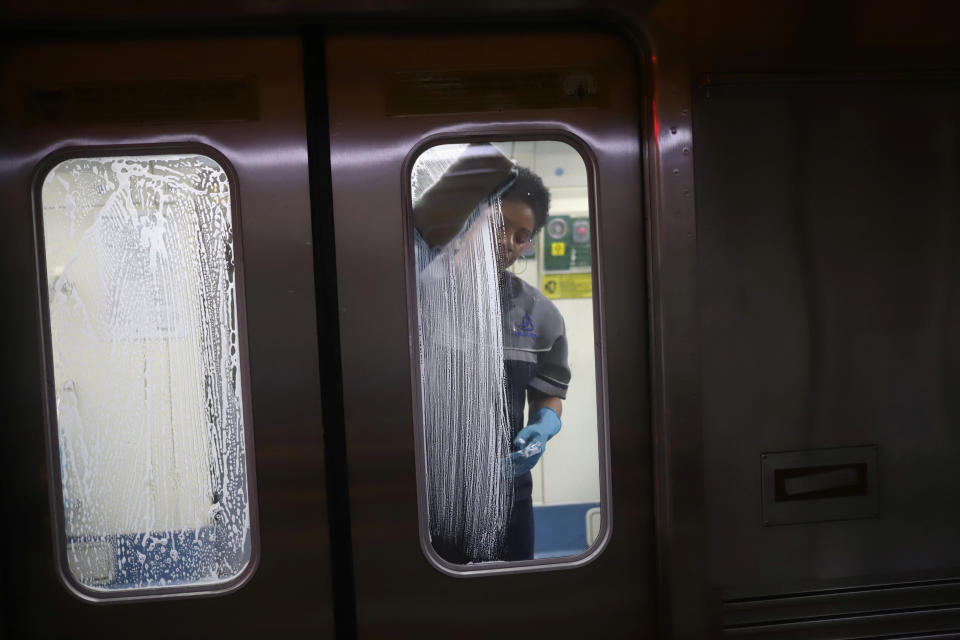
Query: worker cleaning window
489	344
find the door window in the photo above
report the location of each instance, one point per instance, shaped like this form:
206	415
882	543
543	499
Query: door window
507	359
147	383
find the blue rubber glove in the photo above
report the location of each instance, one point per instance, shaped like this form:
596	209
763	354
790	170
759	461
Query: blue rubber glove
532	440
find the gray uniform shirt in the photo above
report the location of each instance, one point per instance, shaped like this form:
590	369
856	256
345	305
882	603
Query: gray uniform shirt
534	346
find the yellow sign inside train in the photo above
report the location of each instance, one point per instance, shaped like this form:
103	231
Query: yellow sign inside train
567	285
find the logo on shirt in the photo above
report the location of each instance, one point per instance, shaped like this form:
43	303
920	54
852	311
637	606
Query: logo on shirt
526	328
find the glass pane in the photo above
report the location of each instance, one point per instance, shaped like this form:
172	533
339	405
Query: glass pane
507	362
144	342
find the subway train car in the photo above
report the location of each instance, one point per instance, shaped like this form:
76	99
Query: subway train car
521	319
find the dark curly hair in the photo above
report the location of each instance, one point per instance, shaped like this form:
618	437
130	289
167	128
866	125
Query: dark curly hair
529	189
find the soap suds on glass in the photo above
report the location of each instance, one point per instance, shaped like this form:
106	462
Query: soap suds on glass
139	254
463	393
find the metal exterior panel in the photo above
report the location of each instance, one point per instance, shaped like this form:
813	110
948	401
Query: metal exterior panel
827	243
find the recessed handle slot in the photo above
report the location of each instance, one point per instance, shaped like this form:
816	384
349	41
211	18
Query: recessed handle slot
815	483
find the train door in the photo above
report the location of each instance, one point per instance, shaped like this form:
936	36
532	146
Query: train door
829	416
157	219
431	125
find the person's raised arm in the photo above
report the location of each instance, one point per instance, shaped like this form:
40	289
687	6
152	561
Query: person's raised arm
481	171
